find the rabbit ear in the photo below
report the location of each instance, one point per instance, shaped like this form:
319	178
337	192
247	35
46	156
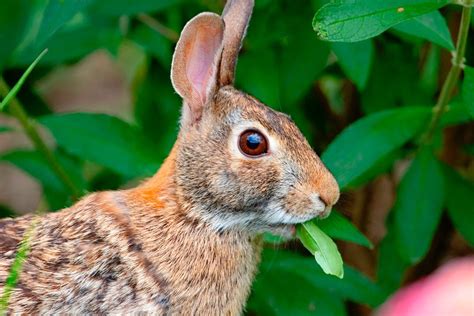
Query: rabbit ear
195	63
236	16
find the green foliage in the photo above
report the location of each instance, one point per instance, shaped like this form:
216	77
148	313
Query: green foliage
362	97
417	218
362	144
352	21
338	227
322	247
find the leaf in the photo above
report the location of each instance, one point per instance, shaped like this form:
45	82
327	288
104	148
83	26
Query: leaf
13	20
322	247
338	227
258	75
301	273
302	58
129	7
419	206
20	82
80	40
357	20
430	26
364	142
4	129
105	140
355	60
35	165
391	265
458	199
468	89
154	43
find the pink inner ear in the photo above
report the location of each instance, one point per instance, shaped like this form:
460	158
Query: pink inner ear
200	69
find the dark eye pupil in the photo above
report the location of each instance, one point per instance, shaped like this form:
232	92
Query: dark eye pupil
253	141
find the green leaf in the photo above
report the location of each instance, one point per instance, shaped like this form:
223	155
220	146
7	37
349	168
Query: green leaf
458	198
391	265
322	247
468	89
301	273
35	165
105	140
430	26
257	74
154	43
79	40
5	129
355	60
364	142
129	7
20	82
302	59
13	20
419	206
357	20
338	227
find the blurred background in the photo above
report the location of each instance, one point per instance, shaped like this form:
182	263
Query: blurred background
103	102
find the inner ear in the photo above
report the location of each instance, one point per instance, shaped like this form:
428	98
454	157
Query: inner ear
195	63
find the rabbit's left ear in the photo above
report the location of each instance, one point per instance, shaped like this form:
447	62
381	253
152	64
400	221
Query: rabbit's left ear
196	62
236	16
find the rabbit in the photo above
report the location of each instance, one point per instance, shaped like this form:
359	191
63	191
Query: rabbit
187	241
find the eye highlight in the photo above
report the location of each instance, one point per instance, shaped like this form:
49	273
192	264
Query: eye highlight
252	143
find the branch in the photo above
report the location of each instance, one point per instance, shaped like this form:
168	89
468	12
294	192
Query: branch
453	76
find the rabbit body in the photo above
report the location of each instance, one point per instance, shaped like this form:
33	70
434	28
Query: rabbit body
186	241
124	252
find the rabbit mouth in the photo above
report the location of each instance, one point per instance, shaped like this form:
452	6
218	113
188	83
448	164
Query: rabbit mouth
284	230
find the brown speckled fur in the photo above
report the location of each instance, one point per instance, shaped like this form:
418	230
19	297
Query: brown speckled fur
186	241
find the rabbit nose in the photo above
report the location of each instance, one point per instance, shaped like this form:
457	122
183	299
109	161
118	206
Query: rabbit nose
327	188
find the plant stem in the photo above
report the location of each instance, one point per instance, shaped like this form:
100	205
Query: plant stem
453	76
28	124
158	27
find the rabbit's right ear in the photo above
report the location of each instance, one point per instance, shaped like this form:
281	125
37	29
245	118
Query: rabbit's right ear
195	63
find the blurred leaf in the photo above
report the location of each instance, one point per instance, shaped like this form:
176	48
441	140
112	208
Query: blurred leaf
395	83
322	247
430	26
338	227
79	41
391	265
129	7
301	273
468	89
356	20
13	20
419	206
154	43
5	129
355	60
257	74
56	13
302	59
6	212
155	101
458	197
35	165
456	113
105	140
430	73
364	142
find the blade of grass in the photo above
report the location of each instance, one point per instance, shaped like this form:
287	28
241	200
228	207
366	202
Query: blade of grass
16	267
20	82
29	126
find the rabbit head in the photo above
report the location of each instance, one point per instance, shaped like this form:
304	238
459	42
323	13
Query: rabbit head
239	163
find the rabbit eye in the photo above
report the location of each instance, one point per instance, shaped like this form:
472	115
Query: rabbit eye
252	143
